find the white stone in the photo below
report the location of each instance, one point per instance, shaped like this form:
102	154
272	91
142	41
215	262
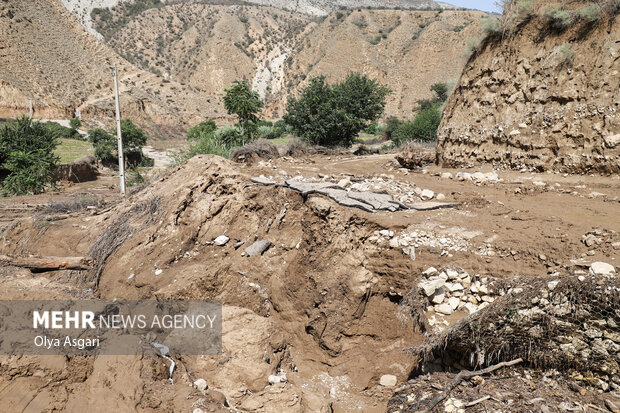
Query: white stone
200	384
158	271
388	380
515	132
429	287
602	268
438	296
452	274
444	308
478	176
454	302
552	284
430	271
440	197
612	141
221	240
280	378
394	242
483	289
427	194
417	191
471	307
384	233
198	410
539	183
344	182
446	175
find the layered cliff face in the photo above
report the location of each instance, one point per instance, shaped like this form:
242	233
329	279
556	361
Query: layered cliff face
540	97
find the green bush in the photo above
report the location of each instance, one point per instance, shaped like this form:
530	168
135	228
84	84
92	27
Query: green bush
590	13
423	128
525	9
203	128
558	19
229	136
491	25
27	157
61	132
333	115
566	52
268	132
75	123
391	124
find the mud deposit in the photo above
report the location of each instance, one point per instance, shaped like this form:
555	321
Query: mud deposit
325	297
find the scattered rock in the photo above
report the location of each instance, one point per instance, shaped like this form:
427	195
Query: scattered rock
200	384
258	247
444	308
280	378
602	268
388	380
429	287
427	194
159	271
440	197
221	240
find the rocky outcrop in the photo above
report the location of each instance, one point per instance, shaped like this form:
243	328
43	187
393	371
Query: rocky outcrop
539	99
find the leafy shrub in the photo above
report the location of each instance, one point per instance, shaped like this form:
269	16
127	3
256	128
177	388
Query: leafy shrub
268	132
458	28
203	128
27	157
333	115
229	136
566	53
491	25
75	123
391	124
558	19
590	13
61	132
423	128
525	9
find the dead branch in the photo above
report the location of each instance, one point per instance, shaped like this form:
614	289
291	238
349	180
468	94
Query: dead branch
480	400
466	374
48	263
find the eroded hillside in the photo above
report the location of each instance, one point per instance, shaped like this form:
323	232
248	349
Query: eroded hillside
541	96
49	57
209	46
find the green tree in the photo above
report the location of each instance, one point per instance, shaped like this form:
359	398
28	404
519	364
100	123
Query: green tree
334	115
27	157
242	101
105	145
203	128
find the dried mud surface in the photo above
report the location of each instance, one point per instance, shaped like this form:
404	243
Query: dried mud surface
321	304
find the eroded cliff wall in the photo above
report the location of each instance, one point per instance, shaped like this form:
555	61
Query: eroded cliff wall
538	97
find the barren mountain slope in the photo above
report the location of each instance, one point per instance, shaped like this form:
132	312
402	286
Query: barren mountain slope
540	98
210	46
406	50
48	56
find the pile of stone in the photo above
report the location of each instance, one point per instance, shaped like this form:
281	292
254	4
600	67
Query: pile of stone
409	241
452	290
553	323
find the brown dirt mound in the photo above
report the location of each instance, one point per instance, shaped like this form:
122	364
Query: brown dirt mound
313	305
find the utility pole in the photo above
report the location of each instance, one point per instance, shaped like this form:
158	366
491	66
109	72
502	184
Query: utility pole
31	108
121	160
